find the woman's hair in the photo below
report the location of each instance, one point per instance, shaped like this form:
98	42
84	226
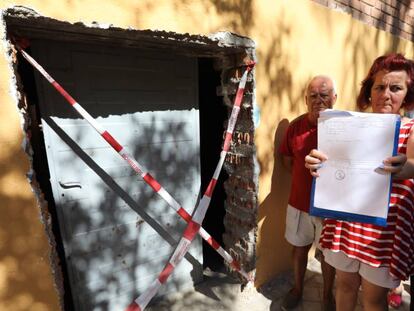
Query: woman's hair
391	62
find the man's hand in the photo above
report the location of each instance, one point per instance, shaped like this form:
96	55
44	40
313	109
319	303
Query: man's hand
314	160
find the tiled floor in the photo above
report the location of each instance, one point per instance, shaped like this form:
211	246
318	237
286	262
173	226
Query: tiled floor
313	291
219	292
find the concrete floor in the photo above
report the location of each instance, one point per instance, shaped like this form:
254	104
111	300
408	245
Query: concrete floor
220	292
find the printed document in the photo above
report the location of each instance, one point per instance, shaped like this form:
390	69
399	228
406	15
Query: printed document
351	180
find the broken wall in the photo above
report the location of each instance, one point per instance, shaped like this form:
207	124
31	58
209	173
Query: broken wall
295	40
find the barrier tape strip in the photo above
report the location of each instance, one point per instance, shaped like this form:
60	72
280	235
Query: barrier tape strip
194	224
136	166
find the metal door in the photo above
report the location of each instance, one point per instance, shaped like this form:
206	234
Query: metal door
117	233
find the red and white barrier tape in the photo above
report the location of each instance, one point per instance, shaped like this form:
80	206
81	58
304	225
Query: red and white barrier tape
136	166
194	224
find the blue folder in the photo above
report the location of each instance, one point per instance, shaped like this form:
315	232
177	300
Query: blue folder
339	215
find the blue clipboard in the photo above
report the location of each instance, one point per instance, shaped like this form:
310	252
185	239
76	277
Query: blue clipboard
353	217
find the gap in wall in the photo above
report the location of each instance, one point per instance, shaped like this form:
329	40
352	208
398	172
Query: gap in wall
213	114
212	117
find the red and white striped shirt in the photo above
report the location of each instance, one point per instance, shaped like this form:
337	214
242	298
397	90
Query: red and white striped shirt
391	246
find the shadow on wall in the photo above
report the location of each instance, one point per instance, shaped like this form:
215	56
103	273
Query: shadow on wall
280	95
278	79
23	248
359	51
362	49
236	16
272	217
239	14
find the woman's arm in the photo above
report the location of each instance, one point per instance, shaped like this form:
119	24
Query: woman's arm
402	169
407	169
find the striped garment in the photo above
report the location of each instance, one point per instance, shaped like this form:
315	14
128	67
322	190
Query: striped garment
391	246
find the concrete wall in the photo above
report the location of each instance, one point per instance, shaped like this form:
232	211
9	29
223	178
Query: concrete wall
295	40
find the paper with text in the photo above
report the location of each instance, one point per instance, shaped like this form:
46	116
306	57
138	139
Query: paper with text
351	185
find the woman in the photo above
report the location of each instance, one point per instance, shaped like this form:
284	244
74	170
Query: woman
375	257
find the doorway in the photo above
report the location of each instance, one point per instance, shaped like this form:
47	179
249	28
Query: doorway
203	117
213	114
115	233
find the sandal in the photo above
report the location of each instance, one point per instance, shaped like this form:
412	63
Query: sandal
291	301
394	299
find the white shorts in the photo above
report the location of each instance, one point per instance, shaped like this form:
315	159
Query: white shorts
301	228
379	276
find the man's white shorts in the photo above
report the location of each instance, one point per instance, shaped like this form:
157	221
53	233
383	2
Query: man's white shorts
301	228
379	276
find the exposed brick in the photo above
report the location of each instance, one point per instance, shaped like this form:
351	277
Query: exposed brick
240	188
380	24
355	4
378	4
247	202
236	228
239	182
332	4
392	29
388	19
402	10
356	14
406	35
403	16
229	62
389	10
398	24
369	2
343	8
239	196
242	138
376	13
404	2
344	2
410	21
365	18
406	27
366	9
239	217
322	2
393	3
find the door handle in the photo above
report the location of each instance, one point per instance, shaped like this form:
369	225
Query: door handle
70	184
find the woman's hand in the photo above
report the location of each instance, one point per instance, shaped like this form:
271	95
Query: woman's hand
394	164
313	161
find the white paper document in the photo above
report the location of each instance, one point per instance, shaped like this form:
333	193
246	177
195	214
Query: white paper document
351	185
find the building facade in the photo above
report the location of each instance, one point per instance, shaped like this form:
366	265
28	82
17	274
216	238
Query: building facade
187	61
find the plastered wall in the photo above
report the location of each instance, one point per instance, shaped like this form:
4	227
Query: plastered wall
295	40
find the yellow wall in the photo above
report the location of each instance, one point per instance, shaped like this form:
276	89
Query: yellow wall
295	40
25	277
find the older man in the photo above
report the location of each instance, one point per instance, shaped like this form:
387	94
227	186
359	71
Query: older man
302	230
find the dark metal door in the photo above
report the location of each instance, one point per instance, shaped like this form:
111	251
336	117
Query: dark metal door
117	233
